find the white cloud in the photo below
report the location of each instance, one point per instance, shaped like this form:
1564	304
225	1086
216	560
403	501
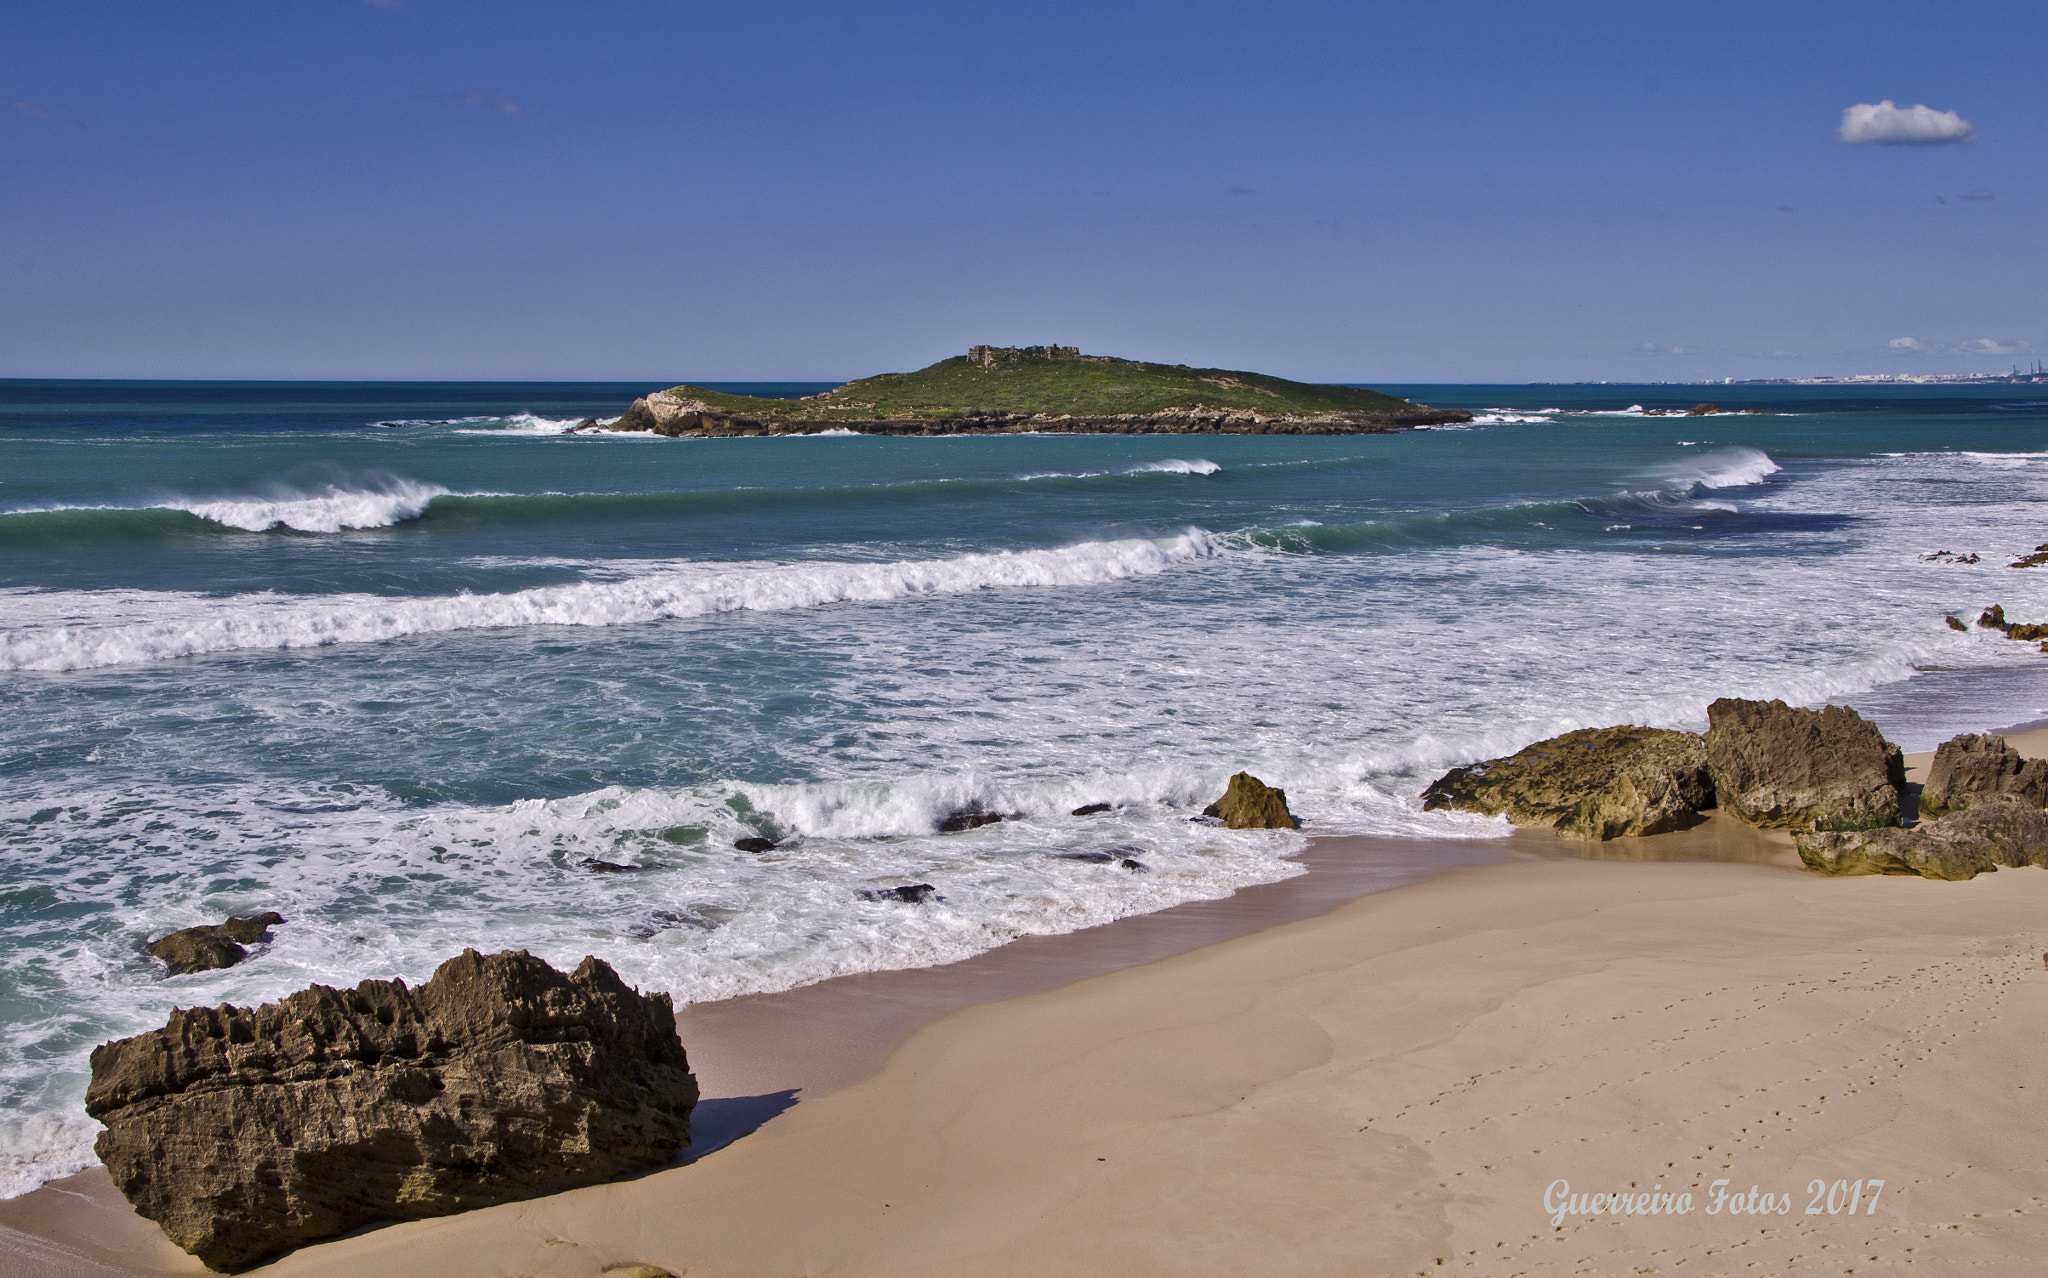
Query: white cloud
385	4
1887	124
1654	348
1974	346
481	99
22	106
1977	195
484	99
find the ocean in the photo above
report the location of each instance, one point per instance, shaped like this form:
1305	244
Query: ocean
400	661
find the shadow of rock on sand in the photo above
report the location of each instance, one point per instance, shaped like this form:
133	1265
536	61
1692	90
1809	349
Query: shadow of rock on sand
714	1124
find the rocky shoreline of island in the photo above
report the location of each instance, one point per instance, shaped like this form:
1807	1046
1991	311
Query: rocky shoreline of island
689	418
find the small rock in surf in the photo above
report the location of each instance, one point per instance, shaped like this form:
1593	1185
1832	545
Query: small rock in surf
969	821
914	893
211	947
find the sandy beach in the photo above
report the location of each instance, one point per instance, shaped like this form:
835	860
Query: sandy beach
1392	1086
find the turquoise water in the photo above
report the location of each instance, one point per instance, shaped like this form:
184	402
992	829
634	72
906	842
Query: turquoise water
399	682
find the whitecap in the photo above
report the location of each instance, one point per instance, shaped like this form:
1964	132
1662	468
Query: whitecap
173	624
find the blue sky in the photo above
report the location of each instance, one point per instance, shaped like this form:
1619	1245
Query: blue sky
787	189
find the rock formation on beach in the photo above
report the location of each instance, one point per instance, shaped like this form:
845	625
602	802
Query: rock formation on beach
1250	804
1778	766
1012	390
2004	830
245	1132
1970	769
1596	783
205	948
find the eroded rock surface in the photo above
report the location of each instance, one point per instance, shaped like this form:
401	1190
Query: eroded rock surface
1778	766
1250	804
1970	768
244	1132
2000	830
1596	783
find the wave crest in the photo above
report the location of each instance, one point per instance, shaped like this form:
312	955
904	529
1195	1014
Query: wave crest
179	625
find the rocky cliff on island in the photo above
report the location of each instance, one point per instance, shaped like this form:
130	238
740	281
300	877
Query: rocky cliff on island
245	1132
1038	389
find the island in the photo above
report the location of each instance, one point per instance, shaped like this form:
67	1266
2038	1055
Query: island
1048	389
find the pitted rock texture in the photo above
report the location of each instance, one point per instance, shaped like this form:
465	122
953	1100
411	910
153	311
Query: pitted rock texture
244	1132
2001	830
1970	768
1596	783
1250	804
1792	769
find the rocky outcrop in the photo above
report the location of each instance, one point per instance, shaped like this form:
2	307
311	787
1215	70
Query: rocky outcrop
1970	769
203	949
664	414
244	1132
1596	783
1786	768
1999	831
1250	804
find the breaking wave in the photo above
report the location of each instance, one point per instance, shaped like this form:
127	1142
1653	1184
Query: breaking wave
377	502
167	625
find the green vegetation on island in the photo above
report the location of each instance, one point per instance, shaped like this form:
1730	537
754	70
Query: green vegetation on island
1040	388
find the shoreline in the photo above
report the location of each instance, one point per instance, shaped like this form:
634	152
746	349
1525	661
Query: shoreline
759	1056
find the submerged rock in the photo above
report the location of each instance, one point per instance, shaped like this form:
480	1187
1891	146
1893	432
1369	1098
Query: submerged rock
1090	809
755	844
244	1132
1250	804
1971	768
214	946
969	820
1999	831
1955	623
913	893
1596	783
1778	766
1992	618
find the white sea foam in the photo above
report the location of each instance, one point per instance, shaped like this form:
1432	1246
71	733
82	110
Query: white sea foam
1176	466
372	502
519	424
374	505
171	624
1736	467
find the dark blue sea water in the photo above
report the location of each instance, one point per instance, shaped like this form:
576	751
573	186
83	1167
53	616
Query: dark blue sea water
396	660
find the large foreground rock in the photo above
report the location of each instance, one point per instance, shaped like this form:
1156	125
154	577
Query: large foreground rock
1596	783
247	1131
1250	804
1970	768
1786	768
1998	831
